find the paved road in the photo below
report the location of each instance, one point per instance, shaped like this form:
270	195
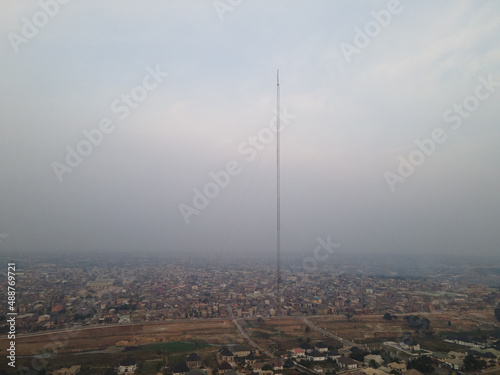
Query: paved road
298	365
250	340
104	326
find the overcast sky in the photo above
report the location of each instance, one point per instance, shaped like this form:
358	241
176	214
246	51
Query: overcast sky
171	91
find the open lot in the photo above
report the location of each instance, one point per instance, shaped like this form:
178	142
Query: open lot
373	328
99	338
361	328
153	341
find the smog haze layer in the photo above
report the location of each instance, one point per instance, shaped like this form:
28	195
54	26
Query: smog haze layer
150	127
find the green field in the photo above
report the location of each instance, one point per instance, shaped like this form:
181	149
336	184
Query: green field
150	357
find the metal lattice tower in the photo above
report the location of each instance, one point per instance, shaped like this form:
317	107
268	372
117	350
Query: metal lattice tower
278	214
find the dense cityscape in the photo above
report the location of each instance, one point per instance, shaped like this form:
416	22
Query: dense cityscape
442	308
65	294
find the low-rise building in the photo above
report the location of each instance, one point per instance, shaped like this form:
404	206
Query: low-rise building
180	369
193	361
127	366
347	363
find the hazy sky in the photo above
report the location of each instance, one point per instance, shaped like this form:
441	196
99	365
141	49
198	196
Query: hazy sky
361	83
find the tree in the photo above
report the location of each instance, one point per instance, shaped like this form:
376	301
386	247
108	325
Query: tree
306	363
420	325
140	367
422	364
449	323
424	325
387	316
308	329
358	354
267	367
497	312
471	363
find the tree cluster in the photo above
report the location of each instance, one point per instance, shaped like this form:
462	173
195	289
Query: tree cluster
471	363
388	316
358	354
420	325
422	364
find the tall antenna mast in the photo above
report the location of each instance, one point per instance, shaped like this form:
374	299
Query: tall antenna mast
278	223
